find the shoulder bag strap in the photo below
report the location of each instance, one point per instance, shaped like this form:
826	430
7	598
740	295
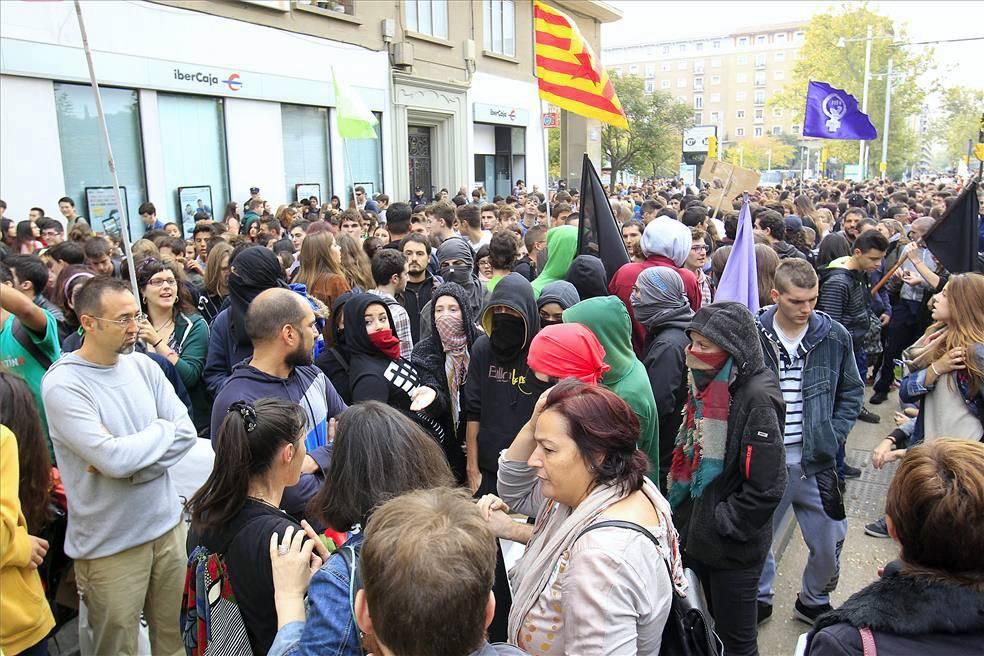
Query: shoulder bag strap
618	523
868	641
20	334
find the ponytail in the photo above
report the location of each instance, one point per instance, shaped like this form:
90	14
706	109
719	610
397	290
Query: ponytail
248	440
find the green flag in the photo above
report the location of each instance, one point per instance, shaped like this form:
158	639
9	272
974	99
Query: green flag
355	121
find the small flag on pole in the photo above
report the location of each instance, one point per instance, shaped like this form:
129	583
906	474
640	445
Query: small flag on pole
953	239
739	280
570	75
834	114
355	121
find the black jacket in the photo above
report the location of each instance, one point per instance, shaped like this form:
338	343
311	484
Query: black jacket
500	394
429	361
730	525
666	363
414	298
909	615
334	361
845	295
372	375
785	251
587	274
526	268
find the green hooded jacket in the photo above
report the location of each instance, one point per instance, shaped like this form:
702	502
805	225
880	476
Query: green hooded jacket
561	249
608	319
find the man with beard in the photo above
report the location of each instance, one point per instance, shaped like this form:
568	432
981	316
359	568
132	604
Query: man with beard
838	244
281	325
456	262
117	428
420	282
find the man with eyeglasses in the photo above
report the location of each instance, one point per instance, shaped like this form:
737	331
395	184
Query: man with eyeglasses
117	427
696	261
363	202
52	232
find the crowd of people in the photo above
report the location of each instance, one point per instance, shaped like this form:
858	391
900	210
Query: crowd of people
389	392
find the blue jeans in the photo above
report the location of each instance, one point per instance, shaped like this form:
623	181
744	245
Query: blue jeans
861	358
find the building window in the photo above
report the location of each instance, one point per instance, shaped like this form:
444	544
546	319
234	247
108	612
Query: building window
780	56
776	112
740	114
666	66
715	117
716	62
683	47
650	70
699	66
740	96
664	84
500	26
761	40
795	129
743	42
194	120
428	17
698	118
779	75
776	130
798	36
779	38
759	114
760	78
338	6
716	44
698	84
650	86
84	160
682	83
633	69
366	157
741	78
699	46
715	79
666	50
682	66
760	60
757	131
739	132
307	158
698	102
759	97
742	59
715	97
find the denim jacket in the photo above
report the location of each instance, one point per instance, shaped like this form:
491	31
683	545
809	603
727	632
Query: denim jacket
913	388
330	629
832	388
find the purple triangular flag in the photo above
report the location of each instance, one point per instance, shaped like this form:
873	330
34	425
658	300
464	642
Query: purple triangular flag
739	280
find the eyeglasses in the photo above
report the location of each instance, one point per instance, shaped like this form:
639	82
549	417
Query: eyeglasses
160	282
699	249
125	321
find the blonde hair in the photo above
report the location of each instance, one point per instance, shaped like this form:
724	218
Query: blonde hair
355	263
965	327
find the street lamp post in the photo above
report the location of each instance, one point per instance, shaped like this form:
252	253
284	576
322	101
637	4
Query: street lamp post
883	167
864	98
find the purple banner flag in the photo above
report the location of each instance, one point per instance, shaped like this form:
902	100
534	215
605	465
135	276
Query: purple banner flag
739	280
834	114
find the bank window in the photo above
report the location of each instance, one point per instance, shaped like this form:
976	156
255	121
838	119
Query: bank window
500	26
84	159
194	148
336	6
307	157
366	157
428	17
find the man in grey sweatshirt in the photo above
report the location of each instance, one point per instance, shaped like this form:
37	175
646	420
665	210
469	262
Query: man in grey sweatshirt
117	426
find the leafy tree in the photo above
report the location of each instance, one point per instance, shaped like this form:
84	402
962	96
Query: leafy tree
754	153
653	142
553	151
821	59
957	122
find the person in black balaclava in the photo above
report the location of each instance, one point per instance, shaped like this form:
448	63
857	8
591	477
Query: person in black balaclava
334	361
457	264
254	270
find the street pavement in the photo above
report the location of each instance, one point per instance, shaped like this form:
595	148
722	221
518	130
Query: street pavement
862	555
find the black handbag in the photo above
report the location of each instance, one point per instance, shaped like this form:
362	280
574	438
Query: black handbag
686	632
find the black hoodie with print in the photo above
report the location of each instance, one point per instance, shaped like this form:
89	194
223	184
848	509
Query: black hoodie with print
500	393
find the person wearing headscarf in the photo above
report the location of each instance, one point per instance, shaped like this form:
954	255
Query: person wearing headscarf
334	361
456	263
253	270
567	350
665	242
554	299
661	305
587	274
608	319
561	249
442	360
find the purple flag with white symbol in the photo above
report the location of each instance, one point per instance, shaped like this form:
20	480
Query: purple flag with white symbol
834	114
739	280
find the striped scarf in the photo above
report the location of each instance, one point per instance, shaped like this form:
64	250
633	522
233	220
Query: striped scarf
698	454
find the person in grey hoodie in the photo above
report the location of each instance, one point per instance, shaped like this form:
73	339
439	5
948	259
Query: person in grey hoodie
117	427
554	299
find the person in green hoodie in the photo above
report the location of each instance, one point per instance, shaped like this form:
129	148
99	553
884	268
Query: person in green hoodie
561	249
608	319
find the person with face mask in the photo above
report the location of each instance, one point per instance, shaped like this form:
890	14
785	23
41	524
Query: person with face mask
253	270
554	299
607	318
661	305
334	361
561	249
281	325
567	350
729	467
587	274
456	261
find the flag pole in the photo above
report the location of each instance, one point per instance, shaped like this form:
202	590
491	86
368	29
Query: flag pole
546	160
727	185
125	222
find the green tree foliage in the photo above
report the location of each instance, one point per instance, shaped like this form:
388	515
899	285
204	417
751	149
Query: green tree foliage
754	153
652	144
821	59
957	122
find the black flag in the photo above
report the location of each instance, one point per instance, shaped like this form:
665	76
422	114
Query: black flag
954	238
598	233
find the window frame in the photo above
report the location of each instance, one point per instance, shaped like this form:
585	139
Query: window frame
493	14
414	21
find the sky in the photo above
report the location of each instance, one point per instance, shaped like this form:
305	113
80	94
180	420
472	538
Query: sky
925	20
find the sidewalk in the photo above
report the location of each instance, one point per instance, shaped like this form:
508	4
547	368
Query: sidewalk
862	554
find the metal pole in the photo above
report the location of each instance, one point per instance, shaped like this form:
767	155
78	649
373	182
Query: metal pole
888	110
125	227
769	166
864	97
546	160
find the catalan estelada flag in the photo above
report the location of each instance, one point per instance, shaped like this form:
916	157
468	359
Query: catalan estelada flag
570	75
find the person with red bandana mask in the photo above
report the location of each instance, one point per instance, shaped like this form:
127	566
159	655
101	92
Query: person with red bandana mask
567	350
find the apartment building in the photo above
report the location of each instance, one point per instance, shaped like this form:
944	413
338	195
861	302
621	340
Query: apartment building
219	96
727	79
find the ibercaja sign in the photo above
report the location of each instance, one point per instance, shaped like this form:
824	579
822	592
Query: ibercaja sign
233	81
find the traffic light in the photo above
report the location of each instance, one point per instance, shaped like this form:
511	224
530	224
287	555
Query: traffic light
712	147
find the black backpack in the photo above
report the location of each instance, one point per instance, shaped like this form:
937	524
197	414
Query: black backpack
687	632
